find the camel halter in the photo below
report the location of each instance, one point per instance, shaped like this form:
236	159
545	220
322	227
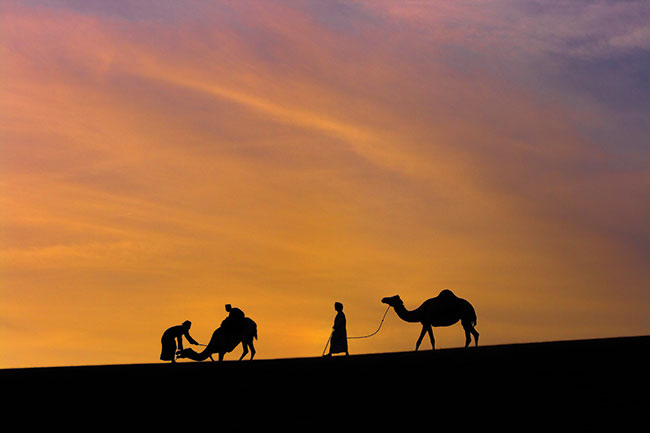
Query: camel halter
363	336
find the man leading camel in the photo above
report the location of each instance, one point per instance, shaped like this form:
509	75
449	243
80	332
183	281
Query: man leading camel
339	338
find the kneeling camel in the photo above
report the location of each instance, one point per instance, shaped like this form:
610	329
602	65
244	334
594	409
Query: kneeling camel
223	342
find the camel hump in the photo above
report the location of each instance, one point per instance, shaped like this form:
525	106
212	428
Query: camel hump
446	294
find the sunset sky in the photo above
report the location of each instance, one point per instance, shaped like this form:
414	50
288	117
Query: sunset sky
159	159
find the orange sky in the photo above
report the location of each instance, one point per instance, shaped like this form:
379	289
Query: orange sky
160	162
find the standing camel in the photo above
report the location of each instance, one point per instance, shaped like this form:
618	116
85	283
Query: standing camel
444	310
223	341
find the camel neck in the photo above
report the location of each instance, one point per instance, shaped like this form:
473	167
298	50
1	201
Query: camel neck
406	315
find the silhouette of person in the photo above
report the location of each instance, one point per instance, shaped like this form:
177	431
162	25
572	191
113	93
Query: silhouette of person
235	319
173	335
339	338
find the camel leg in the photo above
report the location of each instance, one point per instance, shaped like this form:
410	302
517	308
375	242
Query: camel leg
469	331
221	356
468	337
245	346
424	331
252	349
433	340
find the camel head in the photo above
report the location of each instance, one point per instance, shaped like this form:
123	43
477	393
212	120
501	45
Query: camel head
182	353
392	301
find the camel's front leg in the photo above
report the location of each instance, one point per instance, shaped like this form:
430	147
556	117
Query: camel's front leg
424	331
433	340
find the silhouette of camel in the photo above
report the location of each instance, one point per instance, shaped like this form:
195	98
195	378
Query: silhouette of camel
444	310
223	341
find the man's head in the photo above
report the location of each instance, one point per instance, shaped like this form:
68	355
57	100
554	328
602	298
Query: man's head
187	324
228	307
338	306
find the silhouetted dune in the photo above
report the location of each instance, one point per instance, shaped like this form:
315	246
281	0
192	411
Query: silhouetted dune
545	378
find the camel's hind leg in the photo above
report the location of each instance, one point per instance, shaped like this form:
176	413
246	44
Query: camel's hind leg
469	331
246	345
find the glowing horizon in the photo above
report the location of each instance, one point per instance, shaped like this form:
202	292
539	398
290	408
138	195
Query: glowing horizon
159	161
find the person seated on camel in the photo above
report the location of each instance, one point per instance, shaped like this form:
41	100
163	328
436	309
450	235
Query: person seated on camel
235	320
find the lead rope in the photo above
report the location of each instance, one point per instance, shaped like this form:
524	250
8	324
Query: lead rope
363	336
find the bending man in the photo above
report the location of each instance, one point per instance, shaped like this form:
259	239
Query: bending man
173	335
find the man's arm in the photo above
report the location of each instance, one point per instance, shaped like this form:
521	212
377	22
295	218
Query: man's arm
190	339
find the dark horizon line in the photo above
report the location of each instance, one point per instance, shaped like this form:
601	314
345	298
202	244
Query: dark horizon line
352	355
